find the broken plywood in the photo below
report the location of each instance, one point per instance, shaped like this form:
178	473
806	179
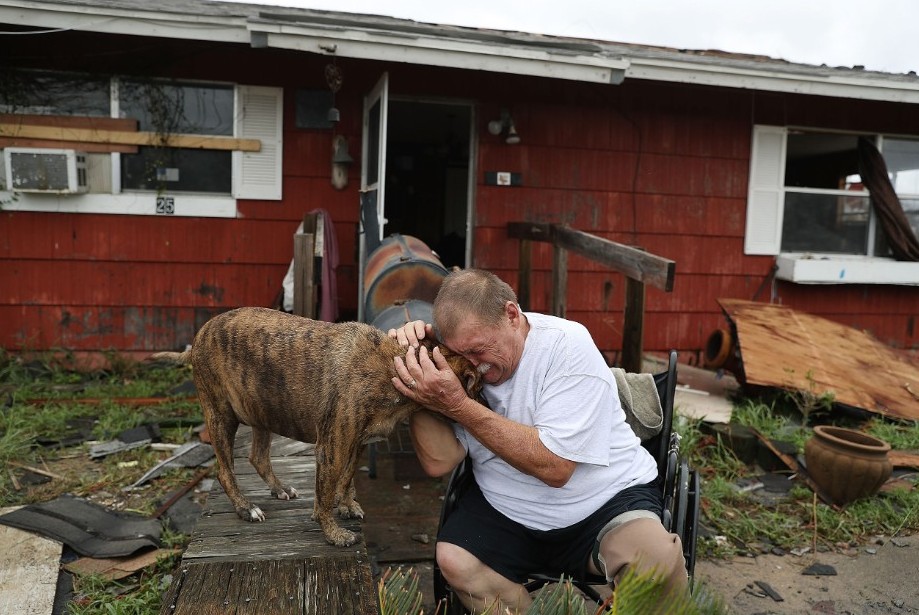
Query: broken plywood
791	350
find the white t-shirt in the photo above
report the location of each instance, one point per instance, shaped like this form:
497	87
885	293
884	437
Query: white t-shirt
564	388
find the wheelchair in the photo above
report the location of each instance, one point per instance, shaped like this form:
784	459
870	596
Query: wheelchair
681	491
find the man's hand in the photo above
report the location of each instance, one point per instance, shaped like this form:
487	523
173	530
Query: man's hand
409	333
430	383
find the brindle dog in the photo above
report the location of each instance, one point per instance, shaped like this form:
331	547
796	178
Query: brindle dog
309	380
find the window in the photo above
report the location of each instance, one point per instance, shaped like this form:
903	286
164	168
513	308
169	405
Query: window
204	179
826	208
168	108
807	206
54	93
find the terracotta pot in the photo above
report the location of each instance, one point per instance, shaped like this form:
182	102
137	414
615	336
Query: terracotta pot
847	464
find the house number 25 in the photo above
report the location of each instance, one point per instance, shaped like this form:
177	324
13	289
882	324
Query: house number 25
165	205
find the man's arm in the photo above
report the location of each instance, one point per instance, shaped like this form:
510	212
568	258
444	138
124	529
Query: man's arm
435	444
436	387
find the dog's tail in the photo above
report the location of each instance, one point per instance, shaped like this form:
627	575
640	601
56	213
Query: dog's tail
182	358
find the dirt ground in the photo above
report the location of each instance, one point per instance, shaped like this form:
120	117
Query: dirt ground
886	581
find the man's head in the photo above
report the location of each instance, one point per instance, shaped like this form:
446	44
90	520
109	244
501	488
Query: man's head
476	315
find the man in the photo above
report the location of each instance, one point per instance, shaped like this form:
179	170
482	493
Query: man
562	484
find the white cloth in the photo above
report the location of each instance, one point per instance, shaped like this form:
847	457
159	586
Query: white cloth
564	388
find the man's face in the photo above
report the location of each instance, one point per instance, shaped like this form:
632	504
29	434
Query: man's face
494	350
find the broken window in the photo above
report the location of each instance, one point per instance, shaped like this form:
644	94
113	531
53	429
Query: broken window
806	195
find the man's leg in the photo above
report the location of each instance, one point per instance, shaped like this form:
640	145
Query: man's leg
643	544
477	585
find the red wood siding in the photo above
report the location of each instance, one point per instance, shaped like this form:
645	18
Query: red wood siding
659	166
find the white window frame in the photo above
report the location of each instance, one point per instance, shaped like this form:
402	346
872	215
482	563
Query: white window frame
256	175
763	234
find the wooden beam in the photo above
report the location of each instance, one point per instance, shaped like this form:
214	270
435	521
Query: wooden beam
70	121
524	271
90	135
633	325
559	281
89	148
632	262
304	288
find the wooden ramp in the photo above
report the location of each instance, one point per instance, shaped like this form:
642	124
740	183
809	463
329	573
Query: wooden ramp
282	565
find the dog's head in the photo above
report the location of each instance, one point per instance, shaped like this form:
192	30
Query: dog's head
468	375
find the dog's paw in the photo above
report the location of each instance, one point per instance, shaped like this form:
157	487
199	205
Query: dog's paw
286	493
351	511
340	537
253	514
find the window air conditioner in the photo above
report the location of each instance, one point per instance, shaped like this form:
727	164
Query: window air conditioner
61	171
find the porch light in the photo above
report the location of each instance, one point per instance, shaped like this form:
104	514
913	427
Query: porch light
505	127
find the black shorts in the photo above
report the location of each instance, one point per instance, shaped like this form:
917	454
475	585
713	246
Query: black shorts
515	551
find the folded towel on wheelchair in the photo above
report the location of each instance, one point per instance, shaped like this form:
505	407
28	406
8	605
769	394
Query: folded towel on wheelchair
640	401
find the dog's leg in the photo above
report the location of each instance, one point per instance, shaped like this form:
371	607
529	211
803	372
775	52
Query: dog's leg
348	508
328	470
260	457
222	425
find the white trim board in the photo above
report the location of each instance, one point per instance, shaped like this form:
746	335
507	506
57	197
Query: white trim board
840	269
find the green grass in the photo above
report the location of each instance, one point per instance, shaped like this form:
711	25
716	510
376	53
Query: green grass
745	523
23	421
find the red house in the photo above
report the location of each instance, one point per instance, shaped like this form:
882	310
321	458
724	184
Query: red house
158	157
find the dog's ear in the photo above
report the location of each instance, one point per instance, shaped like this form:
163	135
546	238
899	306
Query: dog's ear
472	380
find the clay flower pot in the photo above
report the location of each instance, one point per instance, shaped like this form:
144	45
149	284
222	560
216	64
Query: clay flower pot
847	464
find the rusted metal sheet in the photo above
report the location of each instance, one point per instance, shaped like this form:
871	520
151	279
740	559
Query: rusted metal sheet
792	350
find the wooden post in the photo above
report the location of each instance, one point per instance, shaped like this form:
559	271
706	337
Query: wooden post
559	280
633	325
525	263
304	289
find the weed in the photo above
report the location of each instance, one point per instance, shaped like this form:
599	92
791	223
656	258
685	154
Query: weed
43	397
743	523
902	436
94	594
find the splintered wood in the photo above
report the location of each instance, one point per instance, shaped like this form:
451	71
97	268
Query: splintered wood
791	350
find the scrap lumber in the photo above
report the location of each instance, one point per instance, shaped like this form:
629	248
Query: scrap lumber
903	459
795	351
795	467
93	135
69	121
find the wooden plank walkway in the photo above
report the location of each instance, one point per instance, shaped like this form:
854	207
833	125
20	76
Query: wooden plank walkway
280	566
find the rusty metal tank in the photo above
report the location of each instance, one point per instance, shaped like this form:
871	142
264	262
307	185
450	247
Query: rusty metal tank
400	313
402	268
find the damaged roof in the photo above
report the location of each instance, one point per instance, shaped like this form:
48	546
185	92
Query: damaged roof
377	37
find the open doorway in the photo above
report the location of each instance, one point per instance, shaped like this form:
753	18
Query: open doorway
427	173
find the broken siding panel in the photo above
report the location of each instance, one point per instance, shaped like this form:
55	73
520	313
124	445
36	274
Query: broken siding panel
795	350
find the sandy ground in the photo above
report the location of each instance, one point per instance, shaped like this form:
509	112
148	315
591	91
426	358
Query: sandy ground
886	581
